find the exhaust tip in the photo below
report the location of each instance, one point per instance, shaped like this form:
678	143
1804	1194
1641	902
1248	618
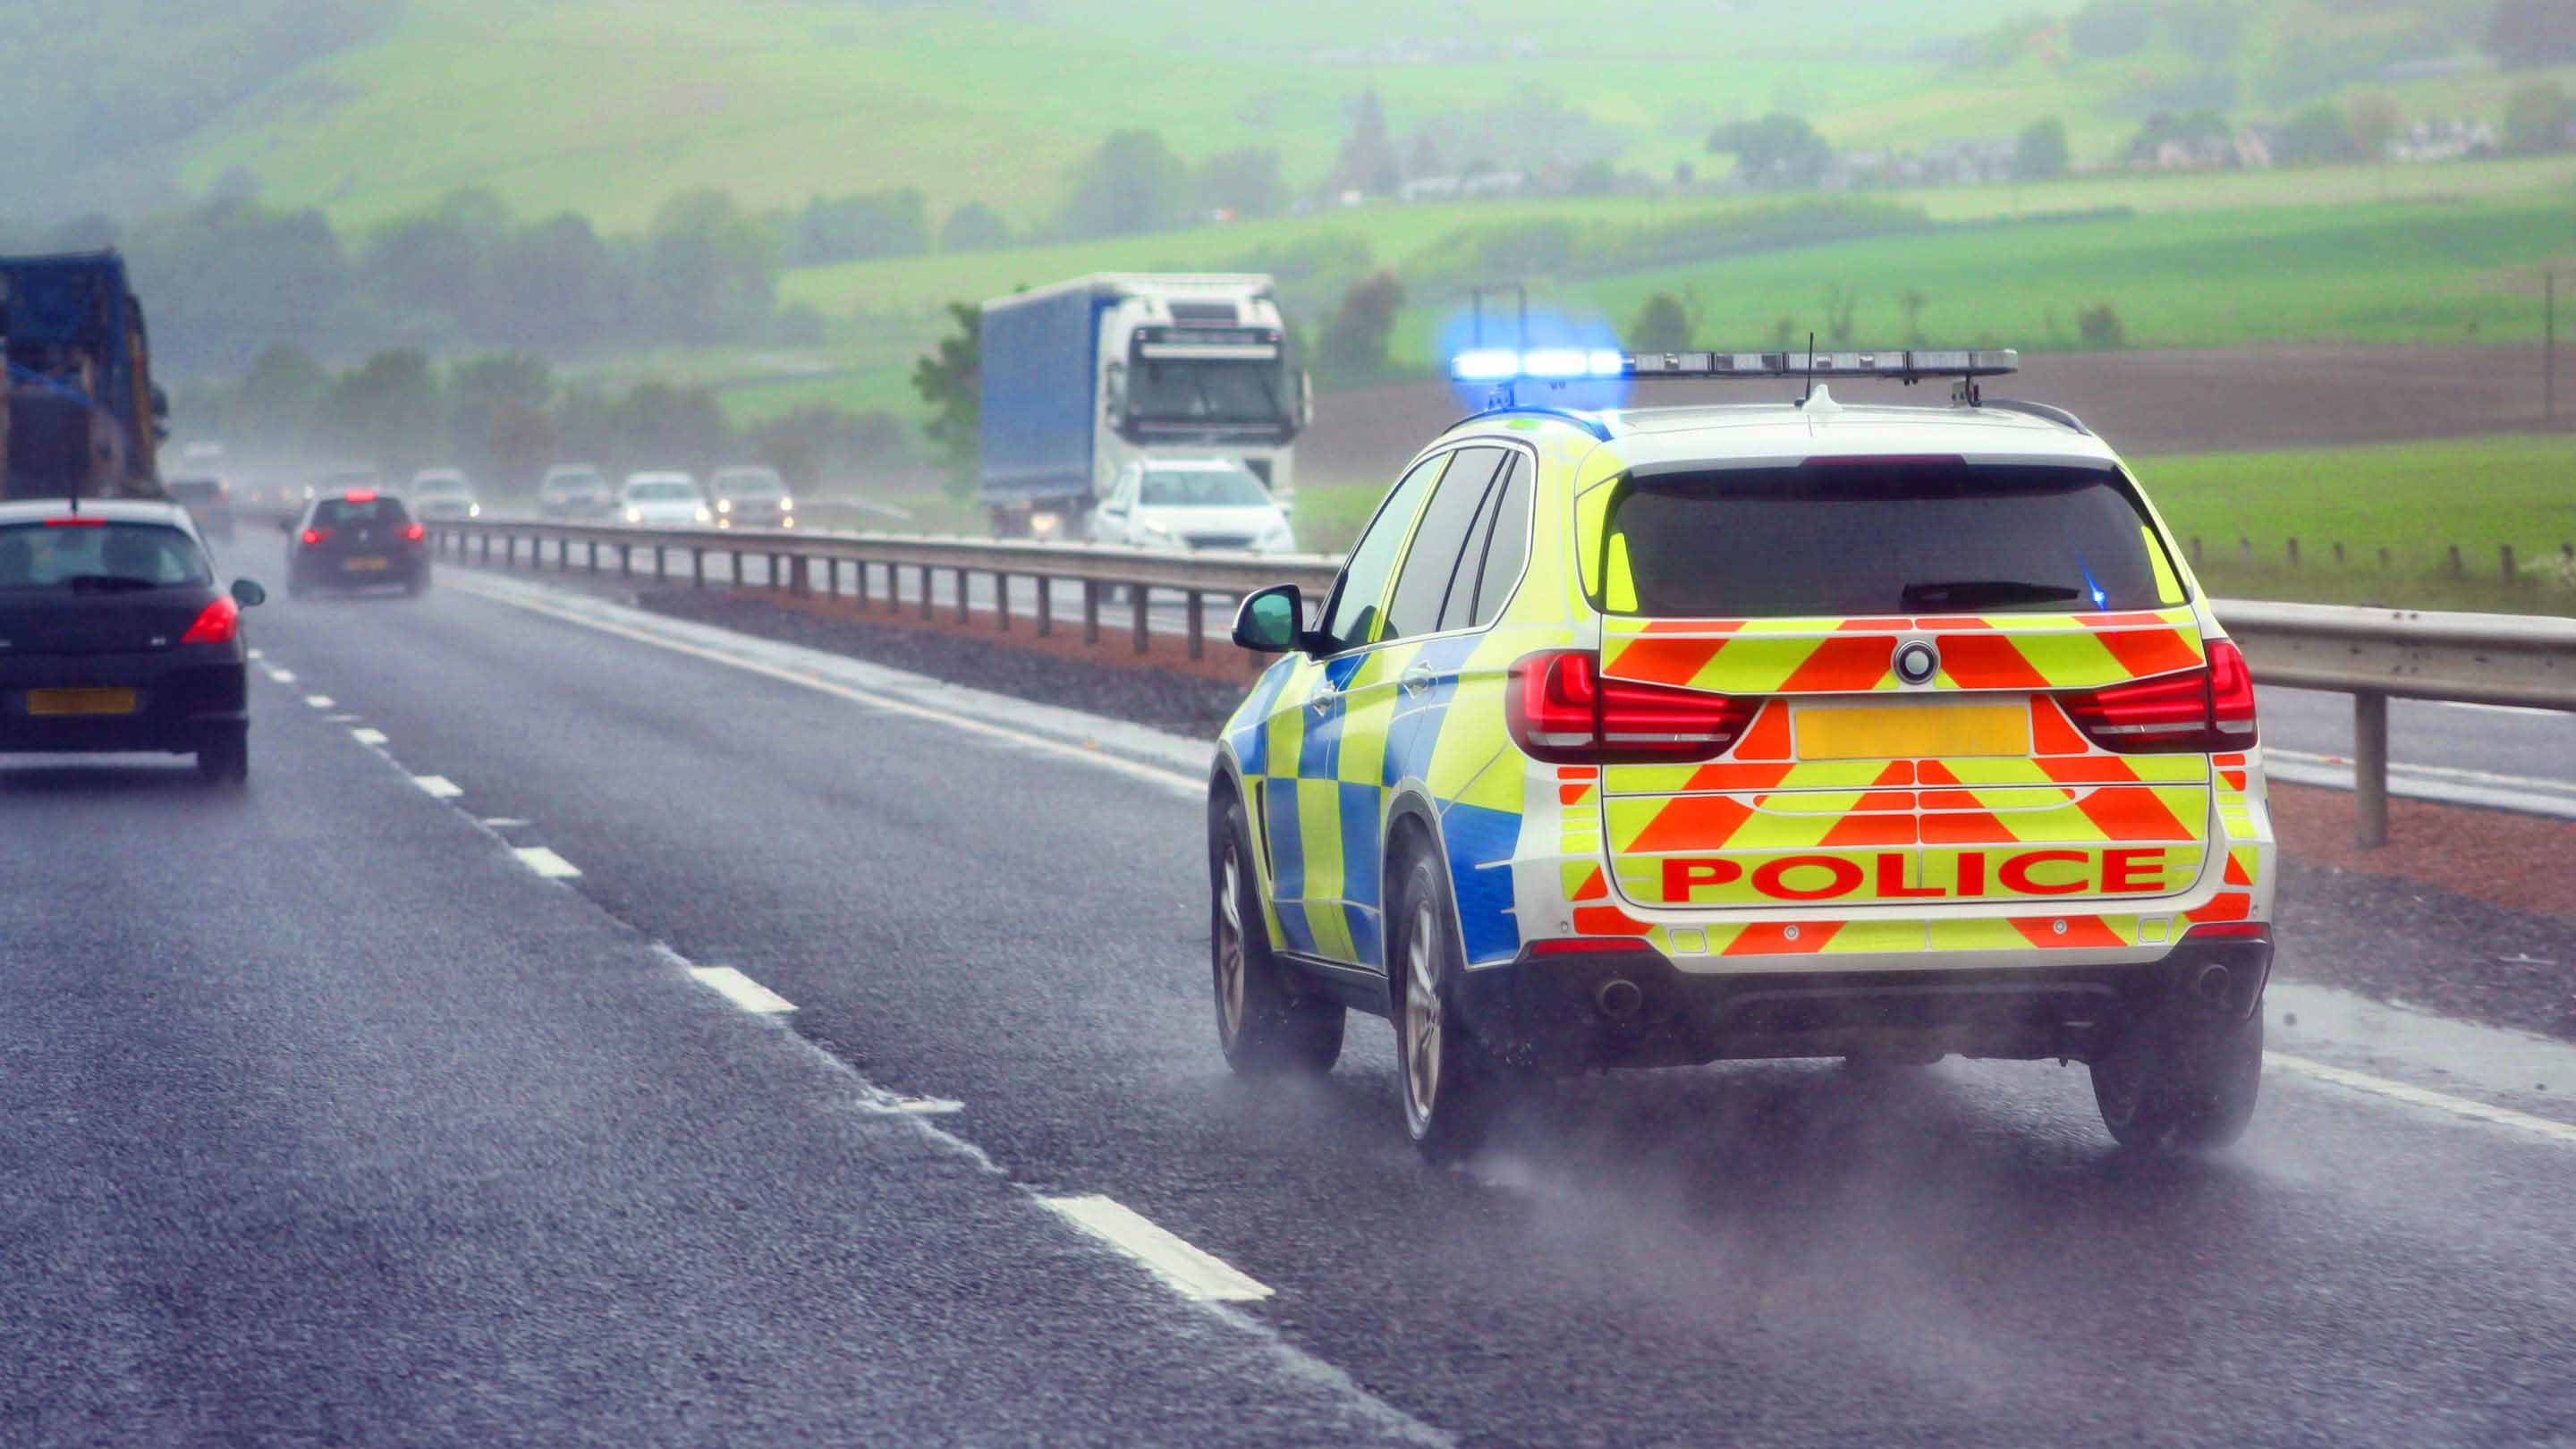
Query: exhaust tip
1619	999
2213	984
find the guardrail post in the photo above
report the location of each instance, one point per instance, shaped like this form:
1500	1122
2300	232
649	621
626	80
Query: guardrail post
1198	618
661	569
832	578
862	572
961	595
698	561
798	582
1002	600
1140	591
2370	767
2294	553
594	555
487	549
2504	560
2338	553
925	591
737	568
1091	612
510	552
1046	606
2456	570
626	560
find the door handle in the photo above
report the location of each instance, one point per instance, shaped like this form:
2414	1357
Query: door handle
1321	701
1417	679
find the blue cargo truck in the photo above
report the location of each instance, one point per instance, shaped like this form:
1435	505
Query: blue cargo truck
1084	377
83	416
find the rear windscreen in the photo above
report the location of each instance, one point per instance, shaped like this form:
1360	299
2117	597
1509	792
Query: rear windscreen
341	513
98	555
1879	537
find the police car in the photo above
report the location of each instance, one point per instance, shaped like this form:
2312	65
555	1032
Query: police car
1795	729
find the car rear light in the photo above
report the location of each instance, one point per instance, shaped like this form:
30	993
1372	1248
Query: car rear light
2232	930
315	535
1589	946
219	622
360	495
2203	711
414	533
75	523
1561	710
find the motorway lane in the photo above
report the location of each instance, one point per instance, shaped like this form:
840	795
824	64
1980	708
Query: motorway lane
1767	1254
324	1121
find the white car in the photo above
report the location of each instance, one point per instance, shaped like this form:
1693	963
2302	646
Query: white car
1211	503
663	500
443	493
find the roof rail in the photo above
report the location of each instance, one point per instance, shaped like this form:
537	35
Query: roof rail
2057	415
1586	421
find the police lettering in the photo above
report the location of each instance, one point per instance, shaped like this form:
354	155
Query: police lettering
2121	871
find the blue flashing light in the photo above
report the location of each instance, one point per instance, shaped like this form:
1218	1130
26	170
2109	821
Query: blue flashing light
1548	364
1490	365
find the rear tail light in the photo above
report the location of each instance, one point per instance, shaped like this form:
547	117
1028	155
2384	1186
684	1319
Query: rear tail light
1589	946
1561	710
217	624
2204	711
360	495
75	523
414	533
315	535
2231	930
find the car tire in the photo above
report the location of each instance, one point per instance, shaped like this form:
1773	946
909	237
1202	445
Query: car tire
2181	1080
1451	1089
1267	1024
225	761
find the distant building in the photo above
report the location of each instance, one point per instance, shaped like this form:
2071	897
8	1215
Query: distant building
2446	138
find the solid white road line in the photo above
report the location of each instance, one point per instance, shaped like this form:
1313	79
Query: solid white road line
319	701
741	990
545	862
1191	1271
2561	1132
438	787
366	736
2446	784
2499	708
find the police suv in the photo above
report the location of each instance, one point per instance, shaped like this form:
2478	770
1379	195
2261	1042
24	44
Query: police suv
1798	729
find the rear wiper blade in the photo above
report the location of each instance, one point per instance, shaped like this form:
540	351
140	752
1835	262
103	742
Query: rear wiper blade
108	583
1985	593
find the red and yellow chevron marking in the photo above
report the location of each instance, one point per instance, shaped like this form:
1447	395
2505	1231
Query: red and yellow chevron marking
1835	656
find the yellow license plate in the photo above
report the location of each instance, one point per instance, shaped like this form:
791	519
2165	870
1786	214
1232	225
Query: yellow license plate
80	701
367	565
1913	731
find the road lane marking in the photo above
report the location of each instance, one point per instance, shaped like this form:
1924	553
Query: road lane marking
282	676
437	787
2500	708
1191	1271
320	701
919	1106
255	654
741	990
2563	1132
502	822
545	862
342	718
2447	784
1049	744
367	736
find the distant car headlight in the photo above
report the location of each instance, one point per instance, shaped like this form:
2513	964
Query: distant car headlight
635	515
1157	529
704	516
1045	525
474	510
786	505
1278	540
723	505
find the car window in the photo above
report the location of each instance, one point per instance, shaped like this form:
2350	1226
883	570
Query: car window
661	492
104	555
1505	550
1431	565
1203	488
1352	620
345	513
1881	537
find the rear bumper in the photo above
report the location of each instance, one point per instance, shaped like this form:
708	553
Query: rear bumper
1550	1012
181	705
402	569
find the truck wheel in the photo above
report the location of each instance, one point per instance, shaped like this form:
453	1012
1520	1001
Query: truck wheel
1267	1024
2182	1080
1452	1090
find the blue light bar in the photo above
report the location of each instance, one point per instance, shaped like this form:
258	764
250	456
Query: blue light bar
1567	364
1544	364
1489	365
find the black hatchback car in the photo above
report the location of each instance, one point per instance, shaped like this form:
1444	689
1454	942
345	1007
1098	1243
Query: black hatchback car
360	539
113	635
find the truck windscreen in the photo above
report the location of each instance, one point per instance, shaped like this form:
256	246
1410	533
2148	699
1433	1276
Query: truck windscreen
1206	392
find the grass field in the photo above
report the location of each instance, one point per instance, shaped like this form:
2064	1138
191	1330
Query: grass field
2417	500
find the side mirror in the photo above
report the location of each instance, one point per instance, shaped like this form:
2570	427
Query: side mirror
1305	398
1269	621
248	593
1114	389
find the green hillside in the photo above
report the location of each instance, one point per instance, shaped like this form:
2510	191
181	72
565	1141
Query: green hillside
607	107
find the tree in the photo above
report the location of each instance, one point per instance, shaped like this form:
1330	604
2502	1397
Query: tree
1662	325
710	272
1132	183
855	227
950	380
2529	34
2536	118
1367	162
2375	121
386	410
553	284
2040	153
2108	29
2317	136
279	398
1353	347
480	392
2209	31
974	227
1779	151
658	425
1245	183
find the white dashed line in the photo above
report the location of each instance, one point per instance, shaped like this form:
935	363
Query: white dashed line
501	822
282	676
366	736
741	990
1193	1272
342	718
255	654
438	787
545	862
2420	1097
320	701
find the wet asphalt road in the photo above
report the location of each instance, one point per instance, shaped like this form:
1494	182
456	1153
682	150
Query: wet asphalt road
322	1116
